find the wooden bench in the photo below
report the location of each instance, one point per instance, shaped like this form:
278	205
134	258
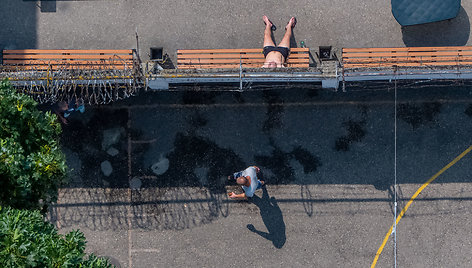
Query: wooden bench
406	57
53	59
231	58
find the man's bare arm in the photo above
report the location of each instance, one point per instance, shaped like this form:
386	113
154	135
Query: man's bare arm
257	169
61	117
233	195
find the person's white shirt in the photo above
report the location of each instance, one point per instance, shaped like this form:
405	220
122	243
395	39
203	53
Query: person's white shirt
251	189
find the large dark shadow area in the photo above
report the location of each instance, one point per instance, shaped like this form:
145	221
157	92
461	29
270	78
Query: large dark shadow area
272	218
93	142
18	24
454	32
193	189
200	160
198	153
356	132
279	163
419	115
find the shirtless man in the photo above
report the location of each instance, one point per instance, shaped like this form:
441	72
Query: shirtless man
275	56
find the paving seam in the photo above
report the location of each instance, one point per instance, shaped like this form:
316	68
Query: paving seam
146	250
142	141
128	207
130	260
146	106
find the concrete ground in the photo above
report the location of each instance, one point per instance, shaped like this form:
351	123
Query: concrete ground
181	24
147	182
327	157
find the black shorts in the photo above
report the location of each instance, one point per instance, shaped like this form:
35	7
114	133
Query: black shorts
282	50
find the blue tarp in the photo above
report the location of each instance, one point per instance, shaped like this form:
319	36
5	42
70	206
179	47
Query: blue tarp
411	12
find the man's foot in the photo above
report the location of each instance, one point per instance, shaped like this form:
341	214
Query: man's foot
251	227
269	23
291	23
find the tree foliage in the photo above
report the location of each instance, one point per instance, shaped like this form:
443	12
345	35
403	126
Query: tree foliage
26	240
32	166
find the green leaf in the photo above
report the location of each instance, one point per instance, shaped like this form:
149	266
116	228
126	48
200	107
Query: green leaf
30	156
26	240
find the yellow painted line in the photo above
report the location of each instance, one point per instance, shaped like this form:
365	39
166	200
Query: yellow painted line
413	198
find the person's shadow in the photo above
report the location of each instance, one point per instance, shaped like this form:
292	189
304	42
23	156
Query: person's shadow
272	218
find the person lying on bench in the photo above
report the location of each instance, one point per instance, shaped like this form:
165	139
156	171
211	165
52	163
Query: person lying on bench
276	56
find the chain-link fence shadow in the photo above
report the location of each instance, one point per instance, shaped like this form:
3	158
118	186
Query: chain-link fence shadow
149	208
176	208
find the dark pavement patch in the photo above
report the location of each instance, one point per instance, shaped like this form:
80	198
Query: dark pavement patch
468	111
356	132
199	97
85	137
193	152
279	163
309	162
418	115
274	111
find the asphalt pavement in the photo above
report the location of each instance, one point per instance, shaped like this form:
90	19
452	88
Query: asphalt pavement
328	159
181	24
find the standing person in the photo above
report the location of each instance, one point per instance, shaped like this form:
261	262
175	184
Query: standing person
276	56
248	181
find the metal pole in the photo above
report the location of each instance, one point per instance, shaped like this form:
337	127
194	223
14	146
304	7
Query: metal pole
240	75
395	185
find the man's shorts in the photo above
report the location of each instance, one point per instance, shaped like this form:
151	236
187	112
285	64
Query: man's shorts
282	50
259	185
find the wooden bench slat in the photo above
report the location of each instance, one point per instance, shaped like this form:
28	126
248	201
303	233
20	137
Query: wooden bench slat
54	56
406	64
234	66
68	67
407	54
411	49
204	51
234	56
237	53
44	59
218	61
71	51
218	66
236	50
220	56
407	59
82	62
244	61
294	65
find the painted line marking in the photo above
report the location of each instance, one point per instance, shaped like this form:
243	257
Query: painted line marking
377	255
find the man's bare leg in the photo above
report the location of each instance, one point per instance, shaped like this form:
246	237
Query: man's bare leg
288	34
268	32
